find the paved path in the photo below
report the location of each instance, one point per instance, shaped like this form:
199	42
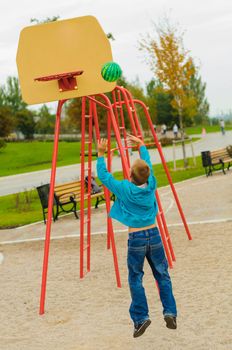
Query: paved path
26	181
197	197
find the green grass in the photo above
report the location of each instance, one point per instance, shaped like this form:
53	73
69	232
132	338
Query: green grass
25	208
209	128
21	157
15	212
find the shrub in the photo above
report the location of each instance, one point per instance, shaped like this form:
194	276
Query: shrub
2	143
165	141
23	201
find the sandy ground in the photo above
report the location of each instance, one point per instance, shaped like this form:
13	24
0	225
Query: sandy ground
92	313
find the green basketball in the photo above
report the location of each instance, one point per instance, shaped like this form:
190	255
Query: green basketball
111	71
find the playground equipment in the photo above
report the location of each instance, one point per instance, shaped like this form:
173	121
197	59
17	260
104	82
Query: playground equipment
60	68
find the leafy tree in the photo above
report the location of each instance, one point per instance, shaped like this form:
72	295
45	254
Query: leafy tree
198	88
10	95
159	102
7	121
46	121
73	112
174	68
138	93
26	123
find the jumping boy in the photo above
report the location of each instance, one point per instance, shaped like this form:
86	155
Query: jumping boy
136	207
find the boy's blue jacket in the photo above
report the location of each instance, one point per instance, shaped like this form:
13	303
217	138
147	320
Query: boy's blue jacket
134	206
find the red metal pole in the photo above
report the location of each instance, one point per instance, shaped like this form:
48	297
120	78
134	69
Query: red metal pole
168	237
162	234
123	127
128	109
115	106
82	203
89	184
134	114
118	139
50	207
126	174
165	167
109	160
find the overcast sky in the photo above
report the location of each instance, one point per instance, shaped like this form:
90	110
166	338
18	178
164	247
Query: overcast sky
207	25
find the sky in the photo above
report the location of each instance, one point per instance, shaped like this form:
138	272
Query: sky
207	26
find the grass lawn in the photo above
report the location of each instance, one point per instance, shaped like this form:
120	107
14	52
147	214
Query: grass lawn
25	208
22	157
209	128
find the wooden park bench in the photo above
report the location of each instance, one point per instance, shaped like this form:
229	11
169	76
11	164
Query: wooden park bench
217	160
66	198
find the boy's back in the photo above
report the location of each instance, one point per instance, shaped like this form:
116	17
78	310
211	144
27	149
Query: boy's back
135	205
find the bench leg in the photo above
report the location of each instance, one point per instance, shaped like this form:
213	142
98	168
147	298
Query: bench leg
44	216
223	169
55	217
96	203
75	210
208	171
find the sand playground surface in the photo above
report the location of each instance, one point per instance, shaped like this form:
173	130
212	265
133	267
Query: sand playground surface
92	313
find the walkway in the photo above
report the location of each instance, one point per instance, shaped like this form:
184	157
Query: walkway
198	205
27	181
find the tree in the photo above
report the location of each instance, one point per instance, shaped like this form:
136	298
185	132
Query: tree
46	121
174	68
198	88
7	121
10	95
26	123
159	103
73	112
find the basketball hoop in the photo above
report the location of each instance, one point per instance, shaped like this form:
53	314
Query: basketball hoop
66	81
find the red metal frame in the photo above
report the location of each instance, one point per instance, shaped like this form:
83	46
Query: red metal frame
92	116
115	120
124	98
165	166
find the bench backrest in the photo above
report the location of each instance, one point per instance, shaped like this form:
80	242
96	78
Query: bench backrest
64	191
219	154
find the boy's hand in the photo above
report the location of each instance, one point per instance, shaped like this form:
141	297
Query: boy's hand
102	146
134	139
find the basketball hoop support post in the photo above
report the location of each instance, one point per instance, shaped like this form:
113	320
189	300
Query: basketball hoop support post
50	206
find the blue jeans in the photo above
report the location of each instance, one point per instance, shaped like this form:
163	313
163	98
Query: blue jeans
141	244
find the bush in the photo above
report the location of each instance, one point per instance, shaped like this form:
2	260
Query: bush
23	201
165	141
2	143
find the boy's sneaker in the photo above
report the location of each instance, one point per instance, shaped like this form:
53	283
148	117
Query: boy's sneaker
140	328
170	321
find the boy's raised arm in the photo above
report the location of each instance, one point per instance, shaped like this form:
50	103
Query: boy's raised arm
144	154
104	176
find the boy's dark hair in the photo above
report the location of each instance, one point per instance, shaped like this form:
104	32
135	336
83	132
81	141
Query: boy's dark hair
140	172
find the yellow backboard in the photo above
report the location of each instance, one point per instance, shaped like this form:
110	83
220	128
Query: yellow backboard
77	44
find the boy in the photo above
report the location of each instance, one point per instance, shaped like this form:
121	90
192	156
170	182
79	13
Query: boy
136	208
